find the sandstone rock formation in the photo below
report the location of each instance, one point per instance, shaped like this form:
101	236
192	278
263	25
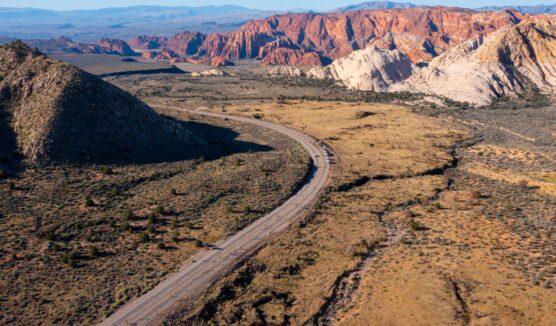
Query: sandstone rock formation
372	69
115	46
286	71
60	113
505	64
211	72
145	42
220	62
185	43
314	39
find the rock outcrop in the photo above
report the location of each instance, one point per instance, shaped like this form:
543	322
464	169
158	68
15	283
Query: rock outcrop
146	42
59	113
315	39
507	63
66	45
372	69
115	46
185	43
286	71
220	62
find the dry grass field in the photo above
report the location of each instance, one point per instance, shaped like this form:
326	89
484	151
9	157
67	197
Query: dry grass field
387	160
79	241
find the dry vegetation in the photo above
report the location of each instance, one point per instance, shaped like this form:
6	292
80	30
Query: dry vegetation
387	160
79	241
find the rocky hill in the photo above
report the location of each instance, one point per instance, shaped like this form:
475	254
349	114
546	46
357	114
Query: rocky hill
145	42
66	45
507	63
57	112
313	39
372	69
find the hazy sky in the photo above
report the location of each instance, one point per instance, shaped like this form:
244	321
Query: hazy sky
261	4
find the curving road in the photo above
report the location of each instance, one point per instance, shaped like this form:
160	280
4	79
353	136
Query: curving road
203	269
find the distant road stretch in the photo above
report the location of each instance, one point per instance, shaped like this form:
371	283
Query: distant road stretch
202	270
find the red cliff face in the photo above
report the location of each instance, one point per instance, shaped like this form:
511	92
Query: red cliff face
145	42
314	39
185	43
114	46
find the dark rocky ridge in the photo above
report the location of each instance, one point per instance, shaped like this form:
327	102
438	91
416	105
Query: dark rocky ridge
59	113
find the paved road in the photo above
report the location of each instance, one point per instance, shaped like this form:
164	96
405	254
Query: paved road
206	267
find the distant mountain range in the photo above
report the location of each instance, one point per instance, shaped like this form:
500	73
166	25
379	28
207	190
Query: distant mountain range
370	5
538	9
127	22
90	25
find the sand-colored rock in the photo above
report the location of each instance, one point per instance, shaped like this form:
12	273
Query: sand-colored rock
372	69
286	71
505	64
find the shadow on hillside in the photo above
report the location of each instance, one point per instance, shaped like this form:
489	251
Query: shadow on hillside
221	141
10	159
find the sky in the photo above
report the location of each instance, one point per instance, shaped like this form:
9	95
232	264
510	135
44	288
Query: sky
258	4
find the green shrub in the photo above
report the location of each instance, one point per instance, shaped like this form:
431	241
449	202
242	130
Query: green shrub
174	223
89	202
70	259
94	252
159	210
414	225
198	243
144	237
126	226
152	219
106	170
114	192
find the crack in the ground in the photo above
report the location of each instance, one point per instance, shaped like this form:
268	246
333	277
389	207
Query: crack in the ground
463	313
346	285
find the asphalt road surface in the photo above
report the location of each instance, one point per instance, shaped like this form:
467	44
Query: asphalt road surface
203	269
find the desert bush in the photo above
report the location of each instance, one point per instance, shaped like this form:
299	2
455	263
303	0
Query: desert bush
114	192
11	185
144	237
70	258
3	174
476	194
414	225
152	219
198	243
89	202
94	252
161	246
159	210
173	192
174	223
106	170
